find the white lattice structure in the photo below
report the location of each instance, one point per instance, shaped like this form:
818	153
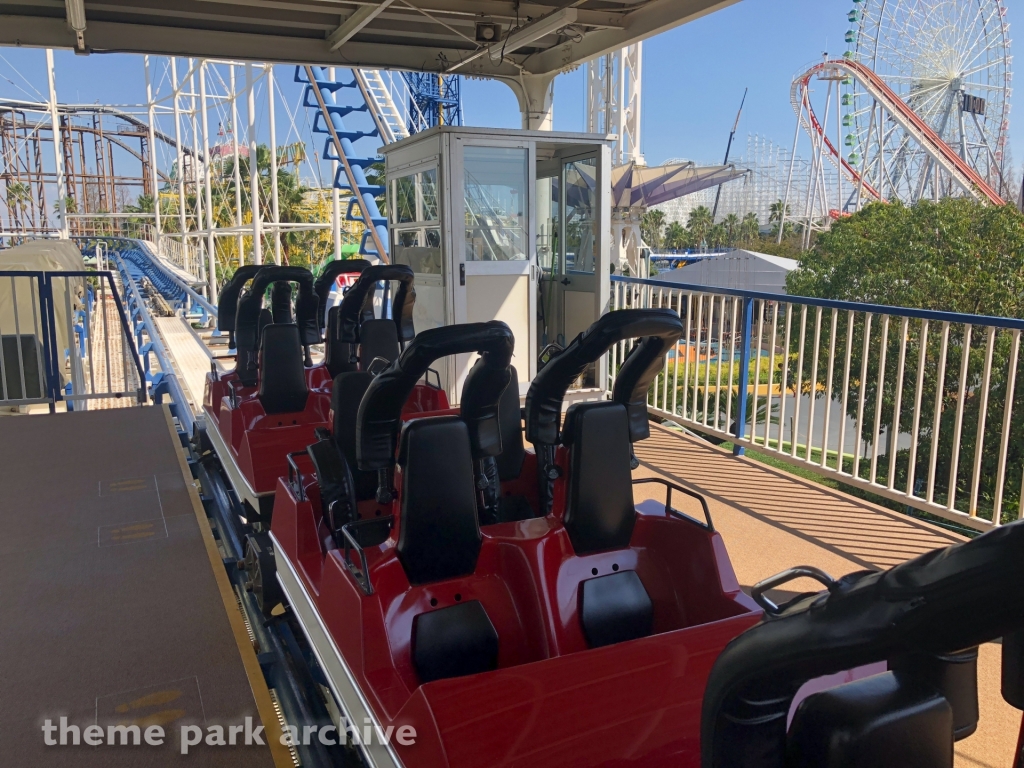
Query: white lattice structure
613	101
769	166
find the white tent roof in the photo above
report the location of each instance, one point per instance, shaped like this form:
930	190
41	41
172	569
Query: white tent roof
738	270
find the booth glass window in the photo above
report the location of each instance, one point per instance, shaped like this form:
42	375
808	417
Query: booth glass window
547	223
496	181
581	198
414	197
419	248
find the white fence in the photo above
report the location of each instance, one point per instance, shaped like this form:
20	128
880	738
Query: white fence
911	405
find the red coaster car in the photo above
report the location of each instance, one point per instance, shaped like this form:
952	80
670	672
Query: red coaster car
267	408
580	637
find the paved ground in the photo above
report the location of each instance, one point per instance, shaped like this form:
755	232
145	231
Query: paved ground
115	596
772	520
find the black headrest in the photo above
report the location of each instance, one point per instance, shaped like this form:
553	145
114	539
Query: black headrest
282	376
599	511
482	393
937	603
377	338
439	535
381	408
227	302
659	329
249	307
281	302
338	354
325	282
357	305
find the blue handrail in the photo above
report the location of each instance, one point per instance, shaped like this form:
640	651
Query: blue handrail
878	309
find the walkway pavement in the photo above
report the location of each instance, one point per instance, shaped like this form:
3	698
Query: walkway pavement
772	520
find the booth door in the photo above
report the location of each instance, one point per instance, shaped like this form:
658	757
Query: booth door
493	278
580	245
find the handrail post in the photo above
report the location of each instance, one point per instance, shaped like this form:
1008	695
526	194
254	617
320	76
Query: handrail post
741	414
48	328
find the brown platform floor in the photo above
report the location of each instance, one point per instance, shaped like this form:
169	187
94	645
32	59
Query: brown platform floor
114	611
771	520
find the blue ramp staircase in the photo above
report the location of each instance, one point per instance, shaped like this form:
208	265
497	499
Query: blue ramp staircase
321	94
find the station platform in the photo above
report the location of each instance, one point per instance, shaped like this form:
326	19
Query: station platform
119	609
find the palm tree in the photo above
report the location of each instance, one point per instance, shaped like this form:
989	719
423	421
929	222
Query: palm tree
699	223
732	228
749	228
650	227
676	236
717	236
18	195
776	213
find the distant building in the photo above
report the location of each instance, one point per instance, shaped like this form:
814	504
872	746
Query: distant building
738	270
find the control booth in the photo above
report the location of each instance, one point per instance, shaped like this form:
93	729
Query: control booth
506	225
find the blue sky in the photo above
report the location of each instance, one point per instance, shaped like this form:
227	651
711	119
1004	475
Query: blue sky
694	77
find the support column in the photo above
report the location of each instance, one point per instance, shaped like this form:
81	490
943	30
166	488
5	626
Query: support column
275	208
62	182
335	194
180	154
254	170
195	174
153	175
211	244
238	173
536	99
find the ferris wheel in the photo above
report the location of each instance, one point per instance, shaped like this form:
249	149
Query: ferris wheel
949	62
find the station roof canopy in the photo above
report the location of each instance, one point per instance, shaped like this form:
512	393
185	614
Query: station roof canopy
486	38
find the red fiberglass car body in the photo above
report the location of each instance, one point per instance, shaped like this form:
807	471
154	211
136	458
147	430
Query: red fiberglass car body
572	628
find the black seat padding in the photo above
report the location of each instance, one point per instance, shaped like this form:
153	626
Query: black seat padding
439	534
877	722
615	608
346	393
338	353
282	376
377	338
510	425
600	512
454	641
337	487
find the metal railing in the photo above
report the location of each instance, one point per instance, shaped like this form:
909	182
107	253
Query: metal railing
65	337
151	347
912	405
181	254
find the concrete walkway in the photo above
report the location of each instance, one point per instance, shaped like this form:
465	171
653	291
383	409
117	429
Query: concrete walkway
772	520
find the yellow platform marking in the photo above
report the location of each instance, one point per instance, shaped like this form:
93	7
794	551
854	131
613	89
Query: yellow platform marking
149	700
131	532
272	727
123	486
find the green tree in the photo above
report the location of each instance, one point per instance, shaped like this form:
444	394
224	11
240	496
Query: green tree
650	227
732	228
676	236
750	227
717	236
699	223
18	196
775	214
954	255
